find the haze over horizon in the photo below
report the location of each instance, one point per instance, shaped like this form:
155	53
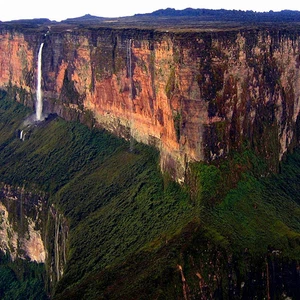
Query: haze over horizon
61	10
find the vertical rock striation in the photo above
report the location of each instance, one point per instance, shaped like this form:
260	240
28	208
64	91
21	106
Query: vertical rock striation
21	224
194	95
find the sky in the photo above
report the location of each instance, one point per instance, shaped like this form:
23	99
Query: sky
62	9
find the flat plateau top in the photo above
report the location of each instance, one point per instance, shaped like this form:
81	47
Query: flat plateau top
171	20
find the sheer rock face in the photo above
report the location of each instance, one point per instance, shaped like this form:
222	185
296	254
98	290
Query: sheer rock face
196	96
33	231
21	224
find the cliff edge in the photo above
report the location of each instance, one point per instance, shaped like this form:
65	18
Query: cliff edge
196	95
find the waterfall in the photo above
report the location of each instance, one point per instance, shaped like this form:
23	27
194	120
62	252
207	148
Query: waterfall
39	99
60	242
56	247
22	135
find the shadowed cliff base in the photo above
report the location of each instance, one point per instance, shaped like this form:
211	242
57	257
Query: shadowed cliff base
135	233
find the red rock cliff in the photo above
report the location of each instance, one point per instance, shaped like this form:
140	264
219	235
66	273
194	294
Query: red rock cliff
194	95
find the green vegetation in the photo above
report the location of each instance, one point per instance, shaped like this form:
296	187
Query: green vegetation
21	280
116	200
242	208
131	226
260	215
171	83
177	124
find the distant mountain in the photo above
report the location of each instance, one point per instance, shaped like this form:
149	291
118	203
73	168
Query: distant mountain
37	21
172	17
86	19
227	15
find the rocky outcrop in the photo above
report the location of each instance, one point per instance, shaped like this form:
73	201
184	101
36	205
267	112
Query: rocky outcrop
21	224
31	230
197	96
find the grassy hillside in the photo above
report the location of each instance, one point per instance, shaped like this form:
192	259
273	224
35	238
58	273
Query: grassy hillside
133	231
116	200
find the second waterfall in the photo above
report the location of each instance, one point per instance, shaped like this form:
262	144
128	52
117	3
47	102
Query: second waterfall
39	97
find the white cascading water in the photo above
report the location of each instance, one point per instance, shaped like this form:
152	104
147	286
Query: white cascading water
22	135
39	97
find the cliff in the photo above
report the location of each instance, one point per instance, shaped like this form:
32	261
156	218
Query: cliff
220	102
31	230
21	224
195	95
109	224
